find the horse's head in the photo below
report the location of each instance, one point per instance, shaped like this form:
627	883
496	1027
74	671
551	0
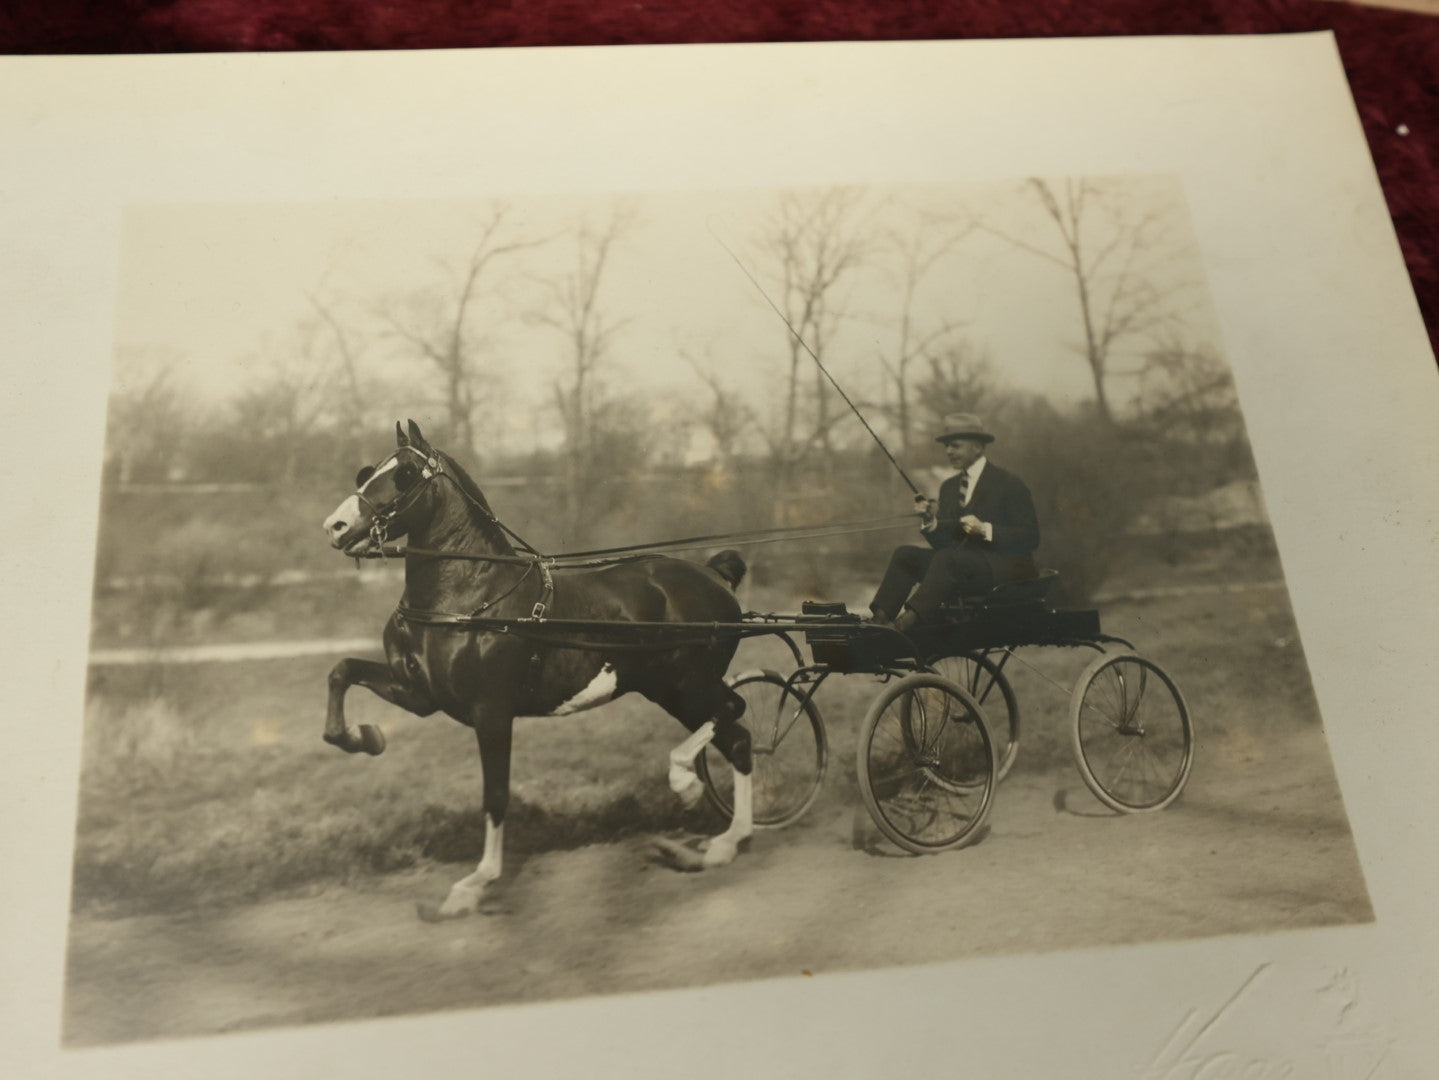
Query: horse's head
387	497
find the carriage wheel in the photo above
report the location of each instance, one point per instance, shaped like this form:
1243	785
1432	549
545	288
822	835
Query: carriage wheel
927	768
1133	740
990	689
789	747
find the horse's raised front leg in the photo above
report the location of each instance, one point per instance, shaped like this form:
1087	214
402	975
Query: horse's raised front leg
376	677
494	736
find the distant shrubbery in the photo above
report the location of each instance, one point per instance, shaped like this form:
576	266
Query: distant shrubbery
1089	484
1091	478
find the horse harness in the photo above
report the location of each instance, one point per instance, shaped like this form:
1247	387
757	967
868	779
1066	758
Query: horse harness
432	467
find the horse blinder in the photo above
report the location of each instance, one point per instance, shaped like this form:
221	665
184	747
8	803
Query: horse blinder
406	476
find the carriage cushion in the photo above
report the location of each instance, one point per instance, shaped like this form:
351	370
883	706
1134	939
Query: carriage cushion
1013	593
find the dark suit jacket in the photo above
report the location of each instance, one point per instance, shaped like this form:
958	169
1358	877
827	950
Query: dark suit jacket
1003	500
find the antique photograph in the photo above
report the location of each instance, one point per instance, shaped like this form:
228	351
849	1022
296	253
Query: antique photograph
630	592
810	560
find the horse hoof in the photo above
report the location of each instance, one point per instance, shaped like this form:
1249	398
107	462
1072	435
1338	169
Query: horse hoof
433	913
721	852
677	856
372	740
740	846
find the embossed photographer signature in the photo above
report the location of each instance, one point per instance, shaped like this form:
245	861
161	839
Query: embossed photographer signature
1331	1049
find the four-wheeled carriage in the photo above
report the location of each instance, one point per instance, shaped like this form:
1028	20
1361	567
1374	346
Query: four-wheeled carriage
946	727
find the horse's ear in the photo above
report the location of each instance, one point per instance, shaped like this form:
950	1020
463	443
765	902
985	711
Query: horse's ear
418	439
400	439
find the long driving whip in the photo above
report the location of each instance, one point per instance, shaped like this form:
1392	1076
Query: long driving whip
798	337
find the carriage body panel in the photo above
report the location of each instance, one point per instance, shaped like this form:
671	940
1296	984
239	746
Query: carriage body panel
846	645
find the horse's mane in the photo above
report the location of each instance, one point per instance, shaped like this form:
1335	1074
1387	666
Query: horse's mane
469	487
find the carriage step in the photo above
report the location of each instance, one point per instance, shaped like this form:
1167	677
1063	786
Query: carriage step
831	608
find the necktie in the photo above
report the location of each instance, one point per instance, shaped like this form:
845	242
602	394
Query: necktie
963	488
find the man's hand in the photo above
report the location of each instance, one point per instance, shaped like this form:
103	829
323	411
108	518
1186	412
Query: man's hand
924	507
972	526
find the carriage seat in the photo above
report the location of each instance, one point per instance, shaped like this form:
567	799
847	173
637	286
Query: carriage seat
1007	594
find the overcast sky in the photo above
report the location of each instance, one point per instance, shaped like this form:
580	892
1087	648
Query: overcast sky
220	289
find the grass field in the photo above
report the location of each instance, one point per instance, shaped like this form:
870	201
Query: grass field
209	784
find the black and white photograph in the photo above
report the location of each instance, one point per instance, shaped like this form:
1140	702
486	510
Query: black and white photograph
576	595
874	523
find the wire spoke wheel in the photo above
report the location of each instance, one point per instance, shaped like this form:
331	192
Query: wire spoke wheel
927	768
990	688
789	748
1133	738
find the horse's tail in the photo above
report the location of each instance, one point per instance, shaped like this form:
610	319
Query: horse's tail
728	565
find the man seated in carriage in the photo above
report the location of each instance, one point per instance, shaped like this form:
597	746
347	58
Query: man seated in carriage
982	532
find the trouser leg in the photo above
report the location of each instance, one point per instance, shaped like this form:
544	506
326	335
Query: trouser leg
907	566
951	574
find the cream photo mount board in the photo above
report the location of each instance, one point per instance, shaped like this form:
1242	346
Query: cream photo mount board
1318	321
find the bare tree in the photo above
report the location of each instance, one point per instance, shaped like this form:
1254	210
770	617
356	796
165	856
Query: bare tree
1187	397
444	336
573	308
724	414
818	240
275	419
350	400
1114	247
151	415
918	250
351	396
959	378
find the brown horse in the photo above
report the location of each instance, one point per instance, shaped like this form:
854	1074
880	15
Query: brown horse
458	563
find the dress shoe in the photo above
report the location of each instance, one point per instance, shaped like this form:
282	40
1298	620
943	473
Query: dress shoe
906	621
878	618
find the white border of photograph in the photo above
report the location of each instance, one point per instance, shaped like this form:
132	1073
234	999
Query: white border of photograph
1319	323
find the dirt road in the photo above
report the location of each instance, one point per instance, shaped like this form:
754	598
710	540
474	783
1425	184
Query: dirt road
1258	842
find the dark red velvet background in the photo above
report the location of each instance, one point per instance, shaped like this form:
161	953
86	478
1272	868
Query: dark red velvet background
1391	57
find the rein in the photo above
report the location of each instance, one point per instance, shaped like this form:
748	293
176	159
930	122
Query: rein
433	467
613	556
540	630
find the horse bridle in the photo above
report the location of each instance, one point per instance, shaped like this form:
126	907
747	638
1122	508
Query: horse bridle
381	516
432	467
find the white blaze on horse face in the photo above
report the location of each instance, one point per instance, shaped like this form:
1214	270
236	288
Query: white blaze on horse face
339	523
600	690
344	516
393	463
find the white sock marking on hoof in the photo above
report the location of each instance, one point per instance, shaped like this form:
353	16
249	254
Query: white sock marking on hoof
723	848
462	900
684	781
720	852
465	894
689	792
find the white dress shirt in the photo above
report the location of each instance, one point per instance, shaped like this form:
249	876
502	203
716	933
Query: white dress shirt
974	472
